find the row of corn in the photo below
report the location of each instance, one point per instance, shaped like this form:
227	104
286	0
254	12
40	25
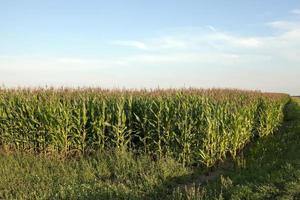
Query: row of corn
191	125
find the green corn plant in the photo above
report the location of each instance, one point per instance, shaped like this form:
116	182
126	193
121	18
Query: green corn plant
191	125
121	138
99	120
156	123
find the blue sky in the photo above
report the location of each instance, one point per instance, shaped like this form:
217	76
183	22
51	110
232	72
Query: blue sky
138	43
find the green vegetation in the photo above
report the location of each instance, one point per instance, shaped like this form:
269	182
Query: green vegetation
191	126
103	176
267	168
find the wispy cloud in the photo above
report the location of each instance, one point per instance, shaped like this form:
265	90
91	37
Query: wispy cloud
284	25
296	11
183	40
131	43
211	28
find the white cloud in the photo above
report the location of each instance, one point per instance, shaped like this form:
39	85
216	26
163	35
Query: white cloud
190	41
104	62
169	42
131	43
225	39
296	11
284	25
212	28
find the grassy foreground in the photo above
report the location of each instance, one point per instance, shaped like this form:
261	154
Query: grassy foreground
268	169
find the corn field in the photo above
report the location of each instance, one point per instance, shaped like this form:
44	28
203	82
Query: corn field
191	125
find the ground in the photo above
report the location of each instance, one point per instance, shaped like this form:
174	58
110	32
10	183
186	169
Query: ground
269	168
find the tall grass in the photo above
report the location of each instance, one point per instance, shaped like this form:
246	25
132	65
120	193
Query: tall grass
190	125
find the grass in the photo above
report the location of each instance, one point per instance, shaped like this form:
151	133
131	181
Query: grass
269	168
105	176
